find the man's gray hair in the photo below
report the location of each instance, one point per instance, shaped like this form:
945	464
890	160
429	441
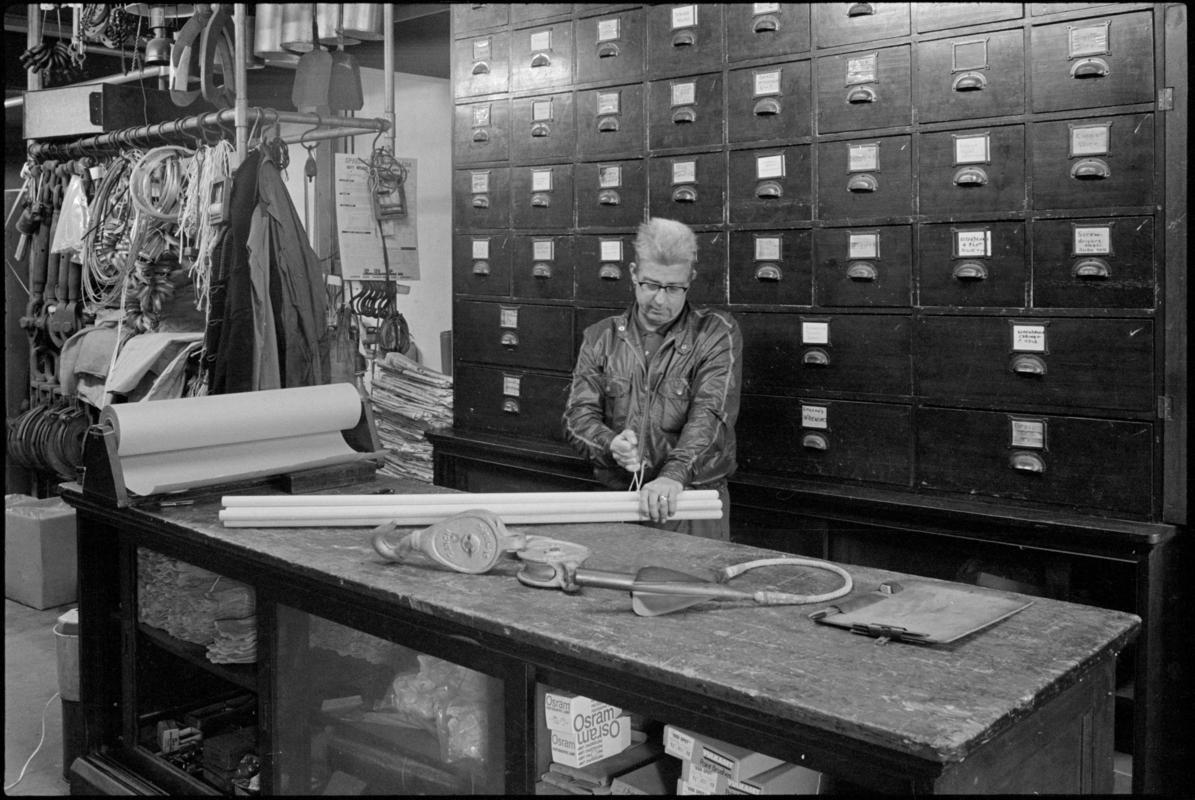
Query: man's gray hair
665	241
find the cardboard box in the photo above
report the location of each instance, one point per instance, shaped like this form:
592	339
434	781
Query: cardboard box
40	567
654	778
569	712
584	747
735	762
783	779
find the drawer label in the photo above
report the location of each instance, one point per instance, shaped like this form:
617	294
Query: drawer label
1088	40
608	102
543	250
863	245
511	385
767	248
862	69
814	417
609	176
1090	140
972	149
863	157
1028	338
971	54
508	317
611	250
608	29
815	332
541	180
684	94
684	16
541	110
973	244
481	116
769	166
766	82
764	8
479	182
1093	240
541	40
481	49
1029	433
481	248
684	172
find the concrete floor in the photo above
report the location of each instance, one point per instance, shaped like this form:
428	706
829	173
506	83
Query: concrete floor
31	679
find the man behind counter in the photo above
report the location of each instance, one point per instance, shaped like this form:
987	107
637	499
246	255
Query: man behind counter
657	386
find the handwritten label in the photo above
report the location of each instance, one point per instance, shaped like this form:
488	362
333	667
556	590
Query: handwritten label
481	116
1089	140
863	245
862	157
767	248
815	417
481	249
481	49
1028	433
479	182
769	166
861	69
971	149
541	180
541	40
684	171
815	332
767	82
543	250
1029	338
508	318
764	8
512	385
1093	240
684	94
609	176
974	244
608	29
684	17
970	55
541	110
611	250
608	102
1089	40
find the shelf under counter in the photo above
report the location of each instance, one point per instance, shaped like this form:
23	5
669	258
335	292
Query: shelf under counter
242	675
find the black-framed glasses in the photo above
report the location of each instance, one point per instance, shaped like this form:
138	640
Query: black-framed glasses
651	287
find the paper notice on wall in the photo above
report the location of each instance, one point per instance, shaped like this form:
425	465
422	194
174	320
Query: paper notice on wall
361	255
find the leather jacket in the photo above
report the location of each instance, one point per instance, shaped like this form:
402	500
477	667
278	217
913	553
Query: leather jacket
683	410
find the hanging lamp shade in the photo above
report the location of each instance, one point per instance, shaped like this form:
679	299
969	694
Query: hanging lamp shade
296	26
327	17
267	37
363	21
166	10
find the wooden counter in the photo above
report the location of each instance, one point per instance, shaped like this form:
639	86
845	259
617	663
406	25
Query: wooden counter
1023	706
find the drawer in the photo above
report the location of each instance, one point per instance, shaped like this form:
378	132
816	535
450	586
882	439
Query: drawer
481	264
511	402
1091	163
541	57
972	264
683	38
603	274
825	438
709	287
513	334
940	16
864	90
481	132
523	13
1040	9
990	362
865	178
611	194
591	316
970	171
846	23
543	127
799	354
689	188
610	122
1104	262
469	18
1059	460
863	266
768	102
610	47
968	77
773	267
542	267
770	185
481	198
766	30
542	196
1088	63
481	64
685	112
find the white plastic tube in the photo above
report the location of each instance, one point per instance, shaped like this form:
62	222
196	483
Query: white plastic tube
461	499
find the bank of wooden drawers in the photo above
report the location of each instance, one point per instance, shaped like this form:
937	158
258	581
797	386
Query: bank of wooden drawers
513	334
511	401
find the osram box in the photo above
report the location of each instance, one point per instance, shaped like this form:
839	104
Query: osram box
582	748
735	762
571	712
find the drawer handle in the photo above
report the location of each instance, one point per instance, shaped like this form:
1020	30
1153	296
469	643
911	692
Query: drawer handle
481	135
540	129
684	194
861	10
1091	169
607	50
1092	269
1028	365
816	357
540	200
862	271
609	197
481	68
767	107
815	441
970	271
1024	461
684	116
481	268
769	189
610	272
541	270
861	94
1089	68
481	201
540	60
510	406
862	183
767	272
971	176
509	339
685	38
608	124
970	82
766	24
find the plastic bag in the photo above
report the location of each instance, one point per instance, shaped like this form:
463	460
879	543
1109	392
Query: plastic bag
447	700
72	219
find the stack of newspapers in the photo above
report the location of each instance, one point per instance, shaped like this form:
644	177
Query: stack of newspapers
409	399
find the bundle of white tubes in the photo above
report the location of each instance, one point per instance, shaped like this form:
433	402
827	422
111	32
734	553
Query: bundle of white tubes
367	510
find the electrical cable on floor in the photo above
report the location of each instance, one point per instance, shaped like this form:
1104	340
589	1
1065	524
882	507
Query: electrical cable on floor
40	742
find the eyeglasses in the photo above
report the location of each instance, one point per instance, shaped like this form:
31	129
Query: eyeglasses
651	287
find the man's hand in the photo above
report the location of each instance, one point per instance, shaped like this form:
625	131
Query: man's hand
658	498
625	449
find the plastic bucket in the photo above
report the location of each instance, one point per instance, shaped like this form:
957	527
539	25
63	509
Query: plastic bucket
68	663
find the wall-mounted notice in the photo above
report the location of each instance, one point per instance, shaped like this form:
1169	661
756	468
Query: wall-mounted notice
357	226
